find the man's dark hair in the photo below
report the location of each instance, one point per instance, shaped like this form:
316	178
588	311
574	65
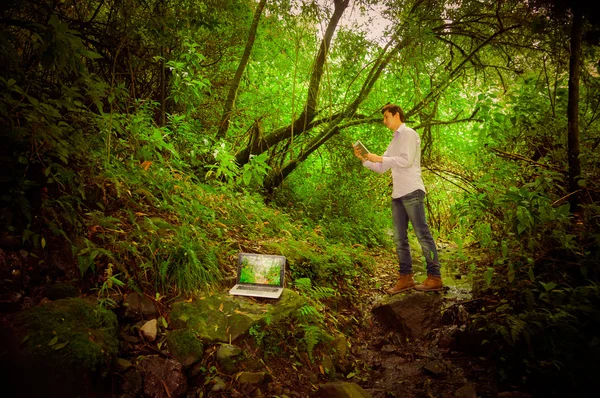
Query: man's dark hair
393	109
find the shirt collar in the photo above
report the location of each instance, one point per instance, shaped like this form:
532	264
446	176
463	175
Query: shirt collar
397	132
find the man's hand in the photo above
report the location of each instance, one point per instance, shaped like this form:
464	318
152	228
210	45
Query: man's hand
357	153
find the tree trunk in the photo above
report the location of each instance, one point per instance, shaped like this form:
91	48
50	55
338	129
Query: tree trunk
302	123
573	107
230	101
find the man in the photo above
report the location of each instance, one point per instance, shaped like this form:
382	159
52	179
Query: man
403	157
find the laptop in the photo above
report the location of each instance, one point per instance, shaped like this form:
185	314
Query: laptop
259	275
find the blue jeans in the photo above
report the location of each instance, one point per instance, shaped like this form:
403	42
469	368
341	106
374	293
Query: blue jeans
411	208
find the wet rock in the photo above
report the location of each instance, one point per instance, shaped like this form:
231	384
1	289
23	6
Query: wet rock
139	307
412	315
149	330
185	347
228	356
465	392
341	390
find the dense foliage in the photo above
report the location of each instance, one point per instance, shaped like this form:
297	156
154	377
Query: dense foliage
131	150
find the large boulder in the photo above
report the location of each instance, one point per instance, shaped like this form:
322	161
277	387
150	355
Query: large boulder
222	318
61	345
412	314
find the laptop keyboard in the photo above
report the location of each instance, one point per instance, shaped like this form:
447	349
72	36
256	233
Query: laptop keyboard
257	288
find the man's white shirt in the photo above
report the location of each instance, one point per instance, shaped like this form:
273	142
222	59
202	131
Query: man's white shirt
403	156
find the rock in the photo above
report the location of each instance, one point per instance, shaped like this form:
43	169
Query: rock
436	368
228	356
222	318
446	340
85	335
465	392
149	330
340	345
132	382
219	384
161	377
253	378
341	390
122	364
139	307
327	365
413	314
60	290
185	347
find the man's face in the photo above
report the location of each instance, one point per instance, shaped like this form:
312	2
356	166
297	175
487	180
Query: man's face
392	122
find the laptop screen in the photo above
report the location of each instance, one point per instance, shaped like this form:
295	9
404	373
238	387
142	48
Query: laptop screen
261	269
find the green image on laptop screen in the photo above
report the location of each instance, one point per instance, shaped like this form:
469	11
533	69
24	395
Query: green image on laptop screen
263	270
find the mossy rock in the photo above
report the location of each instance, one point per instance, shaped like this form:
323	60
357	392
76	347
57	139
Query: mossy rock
60	290
221	318
185	346
217	318
69	333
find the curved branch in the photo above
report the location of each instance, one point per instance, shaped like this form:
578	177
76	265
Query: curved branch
300	125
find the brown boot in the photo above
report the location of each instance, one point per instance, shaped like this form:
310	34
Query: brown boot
431	284
404	283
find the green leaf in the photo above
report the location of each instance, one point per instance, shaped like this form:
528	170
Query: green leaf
548	286
25	339
163	322
531	274
60	346
247	177
487	276
53	341
350	375
90	54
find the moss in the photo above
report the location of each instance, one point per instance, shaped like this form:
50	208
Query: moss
184	342
60	290
70	333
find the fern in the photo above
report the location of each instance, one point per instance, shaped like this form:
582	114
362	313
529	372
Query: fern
313	335
517	326
310	312
320	292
